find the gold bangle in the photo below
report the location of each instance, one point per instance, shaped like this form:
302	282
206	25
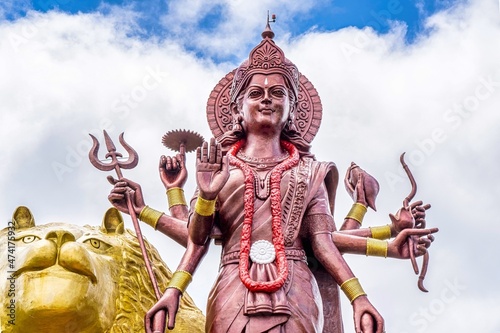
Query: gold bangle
175	197
357	212
180	280
376	247
204	207
383	232
150	216
352	289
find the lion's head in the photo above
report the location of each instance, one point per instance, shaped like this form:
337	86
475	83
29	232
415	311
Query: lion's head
68	278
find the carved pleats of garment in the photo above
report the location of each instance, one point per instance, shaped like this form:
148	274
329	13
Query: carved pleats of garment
297	306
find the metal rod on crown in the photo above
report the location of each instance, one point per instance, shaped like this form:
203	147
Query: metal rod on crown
117	165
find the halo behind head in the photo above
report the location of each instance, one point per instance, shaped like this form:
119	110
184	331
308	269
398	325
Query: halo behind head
265	58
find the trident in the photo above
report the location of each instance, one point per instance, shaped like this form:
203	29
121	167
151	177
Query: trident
130	163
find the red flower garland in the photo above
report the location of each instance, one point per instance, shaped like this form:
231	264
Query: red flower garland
246	232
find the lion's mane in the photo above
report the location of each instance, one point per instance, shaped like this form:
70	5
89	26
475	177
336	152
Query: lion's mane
135	299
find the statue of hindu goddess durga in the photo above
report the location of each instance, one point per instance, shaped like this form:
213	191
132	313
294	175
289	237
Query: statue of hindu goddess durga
269	203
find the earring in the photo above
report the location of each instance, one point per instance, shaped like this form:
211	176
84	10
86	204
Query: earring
237	120
290	126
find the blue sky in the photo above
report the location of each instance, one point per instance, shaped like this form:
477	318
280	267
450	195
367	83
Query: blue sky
322	15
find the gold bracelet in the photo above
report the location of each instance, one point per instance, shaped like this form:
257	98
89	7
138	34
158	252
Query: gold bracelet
175	197
352	289
357	212
204	207
150	216
383	232
180	280
376	247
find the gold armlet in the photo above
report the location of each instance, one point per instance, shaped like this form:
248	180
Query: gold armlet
376	247
180	280
150	216
383	232
175	197
357	212
204	207
352	289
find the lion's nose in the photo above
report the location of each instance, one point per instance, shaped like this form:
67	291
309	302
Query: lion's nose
60	237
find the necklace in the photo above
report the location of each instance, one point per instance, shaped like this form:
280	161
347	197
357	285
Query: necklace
262	185
262	163
246	232
259	166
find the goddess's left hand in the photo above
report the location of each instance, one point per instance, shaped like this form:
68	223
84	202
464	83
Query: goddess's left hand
418	211
363	310
422	239
410	217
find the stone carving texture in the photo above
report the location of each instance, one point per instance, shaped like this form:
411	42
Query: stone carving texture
307	117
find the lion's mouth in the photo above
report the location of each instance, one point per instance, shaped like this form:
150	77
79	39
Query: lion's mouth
70	258
57	270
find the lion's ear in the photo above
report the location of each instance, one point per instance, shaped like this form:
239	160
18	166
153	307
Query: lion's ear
113	222
22	218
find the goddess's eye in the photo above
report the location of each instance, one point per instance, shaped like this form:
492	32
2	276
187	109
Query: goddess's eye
29	239
278	92
254	93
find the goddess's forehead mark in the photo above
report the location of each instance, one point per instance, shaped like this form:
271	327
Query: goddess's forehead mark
265	81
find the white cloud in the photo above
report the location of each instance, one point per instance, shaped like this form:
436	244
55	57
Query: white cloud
238	23
65	76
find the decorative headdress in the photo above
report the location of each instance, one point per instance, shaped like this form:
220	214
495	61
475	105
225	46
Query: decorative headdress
265	58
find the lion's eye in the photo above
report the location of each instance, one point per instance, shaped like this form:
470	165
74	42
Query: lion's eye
29	239
97	244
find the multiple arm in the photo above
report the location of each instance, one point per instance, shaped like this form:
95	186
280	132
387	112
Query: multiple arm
211	175
327	244
173	174
353	239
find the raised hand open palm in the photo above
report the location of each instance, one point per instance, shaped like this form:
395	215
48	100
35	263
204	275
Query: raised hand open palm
212	170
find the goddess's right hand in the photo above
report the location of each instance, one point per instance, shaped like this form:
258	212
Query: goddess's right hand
168	302
212	169
173	172
118	196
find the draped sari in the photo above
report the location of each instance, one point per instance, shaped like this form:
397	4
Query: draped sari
298	305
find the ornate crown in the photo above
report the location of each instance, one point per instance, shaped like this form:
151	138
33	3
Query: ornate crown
267	58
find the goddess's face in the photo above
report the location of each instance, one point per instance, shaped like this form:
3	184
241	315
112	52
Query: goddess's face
266	105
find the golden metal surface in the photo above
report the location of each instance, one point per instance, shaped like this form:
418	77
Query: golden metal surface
69	278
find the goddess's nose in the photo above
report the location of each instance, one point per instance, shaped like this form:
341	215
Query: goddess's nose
266	98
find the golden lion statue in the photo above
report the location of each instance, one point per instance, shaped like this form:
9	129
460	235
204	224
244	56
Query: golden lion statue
62	278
